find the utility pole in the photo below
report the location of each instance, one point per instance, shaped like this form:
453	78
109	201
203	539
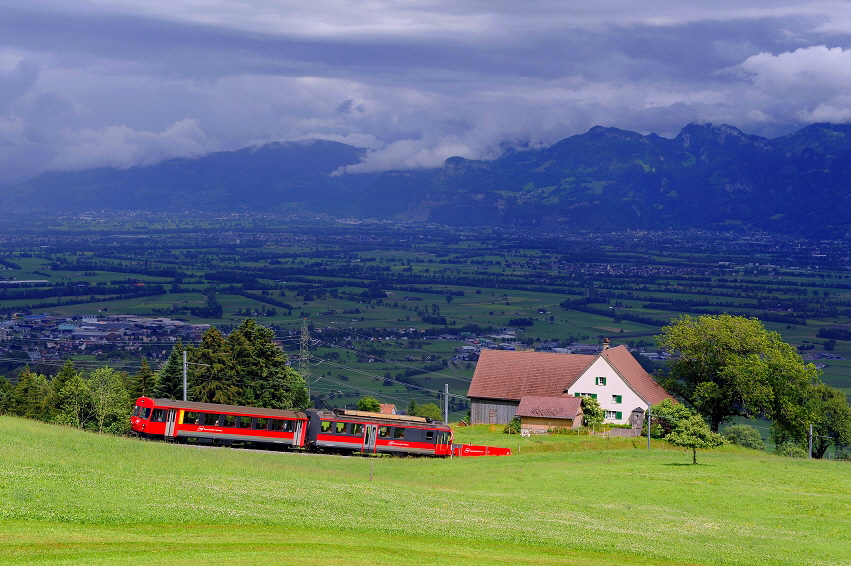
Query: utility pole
185	372
648	427
446	403
810	441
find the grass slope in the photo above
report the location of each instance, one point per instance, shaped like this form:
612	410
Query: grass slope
77	497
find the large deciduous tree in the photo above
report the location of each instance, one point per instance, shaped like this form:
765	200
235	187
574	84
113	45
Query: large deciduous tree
832	422
726	366
110	402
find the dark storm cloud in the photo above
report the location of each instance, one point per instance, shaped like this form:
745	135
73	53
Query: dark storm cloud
99	83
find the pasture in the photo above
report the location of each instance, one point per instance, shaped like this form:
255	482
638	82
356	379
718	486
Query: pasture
81	498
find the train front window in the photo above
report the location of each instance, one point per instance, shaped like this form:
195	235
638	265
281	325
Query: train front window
136	411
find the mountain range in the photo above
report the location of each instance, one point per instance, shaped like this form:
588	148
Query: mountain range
708	176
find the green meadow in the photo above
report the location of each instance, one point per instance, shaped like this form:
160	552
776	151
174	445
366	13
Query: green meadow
81	498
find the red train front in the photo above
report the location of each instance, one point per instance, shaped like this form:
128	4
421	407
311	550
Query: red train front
210	423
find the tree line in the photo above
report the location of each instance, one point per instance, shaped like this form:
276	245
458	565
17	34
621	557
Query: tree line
244	368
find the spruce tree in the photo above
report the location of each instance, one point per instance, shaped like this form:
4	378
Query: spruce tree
143	382
170	377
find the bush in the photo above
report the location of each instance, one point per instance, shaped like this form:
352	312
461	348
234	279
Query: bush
513	427
743	435
791	450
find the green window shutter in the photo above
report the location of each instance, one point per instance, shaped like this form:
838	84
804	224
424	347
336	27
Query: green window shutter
618	415
577	394
617	398
593	395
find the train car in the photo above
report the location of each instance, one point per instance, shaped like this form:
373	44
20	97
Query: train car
373	433
212	423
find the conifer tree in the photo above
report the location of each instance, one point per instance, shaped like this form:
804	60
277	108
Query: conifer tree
170	377
214	371
144	381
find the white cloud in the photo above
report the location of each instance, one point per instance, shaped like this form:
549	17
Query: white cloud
122	147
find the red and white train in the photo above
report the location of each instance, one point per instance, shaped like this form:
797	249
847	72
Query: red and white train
314	429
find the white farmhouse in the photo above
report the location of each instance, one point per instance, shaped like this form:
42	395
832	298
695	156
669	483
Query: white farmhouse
613	377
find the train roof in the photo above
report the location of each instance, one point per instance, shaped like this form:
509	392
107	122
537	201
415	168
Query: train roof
379	418
217	408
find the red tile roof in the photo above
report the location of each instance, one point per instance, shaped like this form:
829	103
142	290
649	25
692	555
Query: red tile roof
553	407
387	409
632	372
509	375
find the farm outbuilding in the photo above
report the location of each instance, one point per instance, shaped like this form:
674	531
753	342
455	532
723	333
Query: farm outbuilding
543	414
613	377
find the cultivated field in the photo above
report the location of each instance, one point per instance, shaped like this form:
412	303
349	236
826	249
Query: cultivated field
74	497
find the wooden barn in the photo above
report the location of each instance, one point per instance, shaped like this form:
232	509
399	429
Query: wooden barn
613	377
542	414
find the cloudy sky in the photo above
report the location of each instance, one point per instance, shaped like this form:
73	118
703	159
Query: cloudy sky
120	83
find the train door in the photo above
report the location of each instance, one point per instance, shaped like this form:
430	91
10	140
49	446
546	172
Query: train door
370	433
297	433
444	445
170	423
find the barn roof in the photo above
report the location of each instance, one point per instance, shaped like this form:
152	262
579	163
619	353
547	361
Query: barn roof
510	375
553	407
631	371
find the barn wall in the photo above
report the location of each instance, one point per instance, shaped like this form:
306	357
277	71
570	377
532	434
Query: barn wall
492	411
545	424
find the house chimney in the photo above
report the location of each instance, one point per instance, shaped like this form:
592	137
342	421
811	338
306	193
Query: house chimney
605	343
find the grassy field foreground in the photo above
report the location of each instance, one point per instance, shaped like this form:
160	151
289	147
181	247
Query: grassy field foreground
75	497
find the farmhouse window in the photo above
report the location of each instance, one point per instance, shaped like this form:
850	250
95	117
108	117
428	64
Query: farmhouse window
618	415
599	381
618	399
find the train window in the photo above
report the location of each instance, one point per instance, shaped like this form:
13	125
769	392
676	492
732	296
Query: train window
357	428
245	422
275	424
341	428
144	412
230	420
261	423
326	426
136	411
430	435
398	432
190	418
211	419
384	432
289	426
158	416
